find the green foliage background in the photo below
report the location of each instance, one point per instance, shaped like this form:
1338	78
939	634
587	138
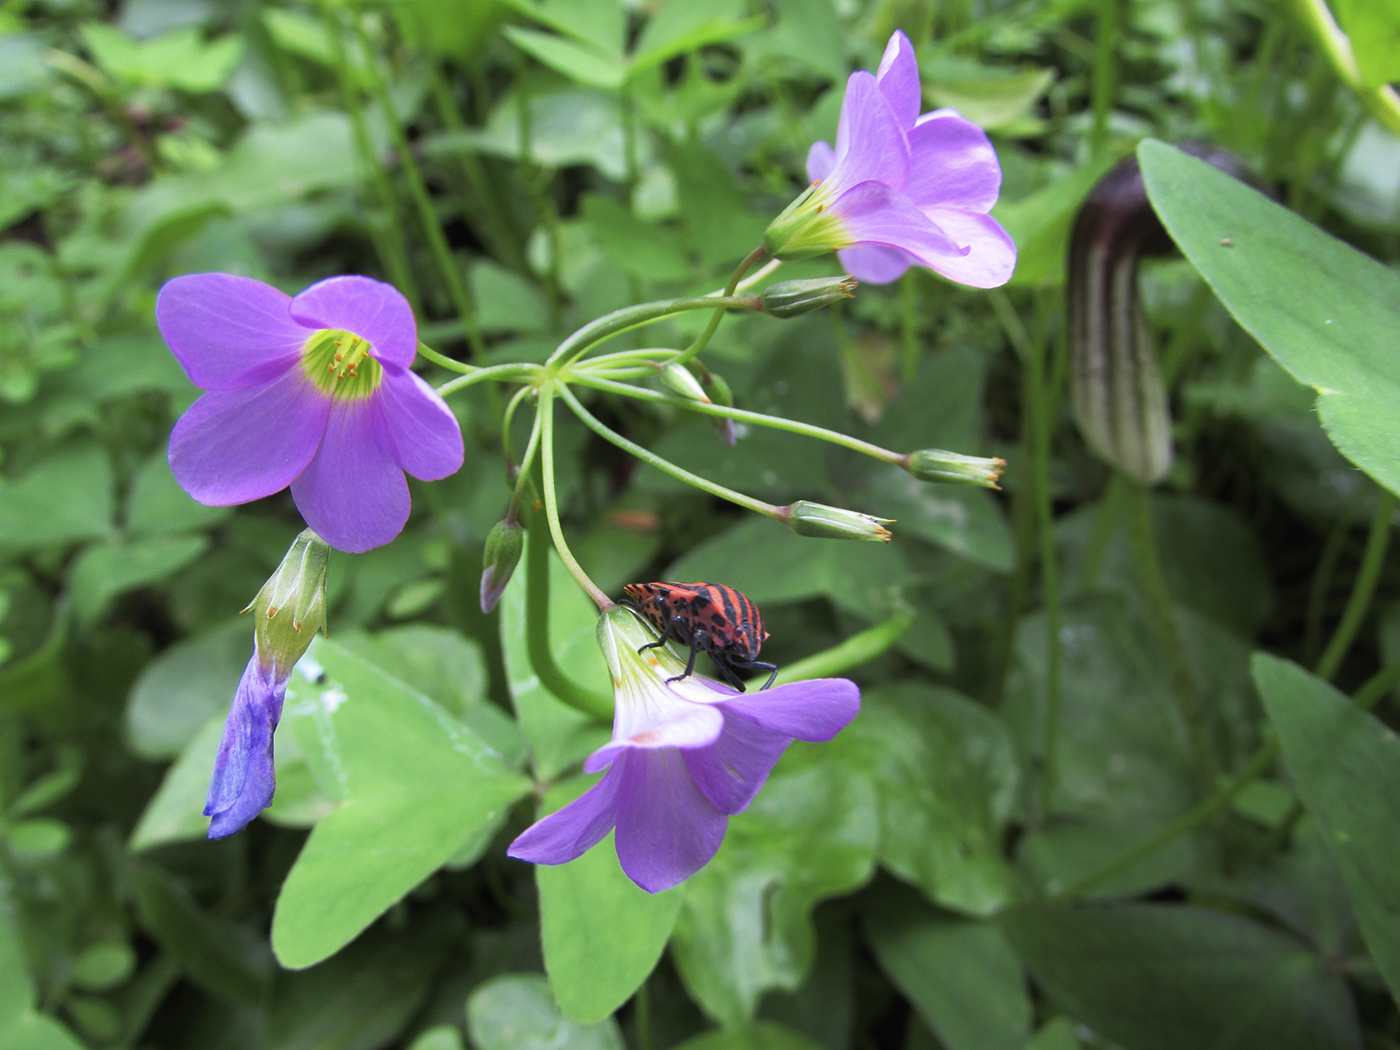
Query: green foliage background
1017	845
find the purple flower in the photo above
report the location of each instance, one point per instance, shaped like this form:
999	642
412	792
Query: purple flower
243	780
684	757
900	188
313	392
287	612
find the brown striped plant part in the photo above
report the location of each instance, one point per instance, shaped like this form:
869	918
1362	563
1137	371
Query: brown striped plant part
1120	400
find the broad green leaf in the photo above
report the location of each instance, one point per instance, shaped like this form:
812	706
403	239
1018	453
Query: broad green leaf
680	27
183	687
517	1012
756	1035
1346	767
1041	223
558	735
176	810
226	958
602	934
22	1027
716	212
104	965
506	302
1373	27
66	496
581	63
440	1037
993	98
158	505
745	926
1324	311
960	974
599	23
179	58
634	246
946	777
108	568
965	521
414	784
1164	977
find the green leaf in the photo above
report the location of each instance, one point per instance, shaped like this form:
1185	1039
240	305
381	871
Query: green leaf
602	934
961	975
965	521
1346	767
176	810
599	23
745	926
634	246
221	955
946	774
1164	977
179	58
757	1035
1374	29
22	1027
990	97
581	63
1040	224
415	786
1324	311
66	496
180	690
516	1012
158	505
680	27
107	569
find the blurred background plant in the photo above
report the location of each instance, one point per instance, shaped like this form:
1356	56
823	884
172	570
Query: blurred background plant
1058	706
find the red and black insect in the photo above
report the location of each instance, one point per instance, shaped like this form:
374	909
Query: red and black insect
708	616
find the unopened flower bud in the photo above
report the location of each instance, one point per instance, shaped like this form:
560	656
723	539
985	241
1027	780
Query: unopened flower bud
291	607
815	519
806	228
503	546
934	464
719	393
791	298
683	381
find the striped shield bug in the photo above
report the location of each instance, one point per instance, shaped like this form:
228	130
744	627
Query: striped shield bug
709	616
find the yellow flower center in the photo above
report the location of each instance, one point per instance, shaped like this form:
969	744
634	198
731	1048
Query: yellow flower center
339	364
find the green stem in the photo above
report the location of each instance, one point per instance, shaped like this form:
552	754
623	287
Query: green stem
551	501
1364	588
418	190
909	327
652	459
527	461
1106	39
390	241
1383	102
507	373
537	629
629	317
856	650
1190	705
704	337
739	415
1375	687
1322	578
449	363
1043	389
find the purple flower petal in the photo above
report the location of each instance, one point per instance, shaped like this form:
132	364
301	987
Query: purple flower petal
418	426
952	164
821	158
815	710
898	79
667	830
368	308
870	144
649	726
228	332
244	780
732	769
352	492
233	446
874	263
873	213
570	832
991	255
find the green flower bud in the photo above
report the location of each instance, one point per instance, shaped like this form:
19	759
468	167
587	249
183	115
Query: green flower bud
815	519
503	546
792	298
806	228
683	381
718	390
291	607
933	464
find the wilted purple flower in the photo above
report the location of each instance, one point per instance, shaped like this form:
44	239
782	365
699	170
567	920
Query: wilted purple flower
287	612
313	392
684	757
900	188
